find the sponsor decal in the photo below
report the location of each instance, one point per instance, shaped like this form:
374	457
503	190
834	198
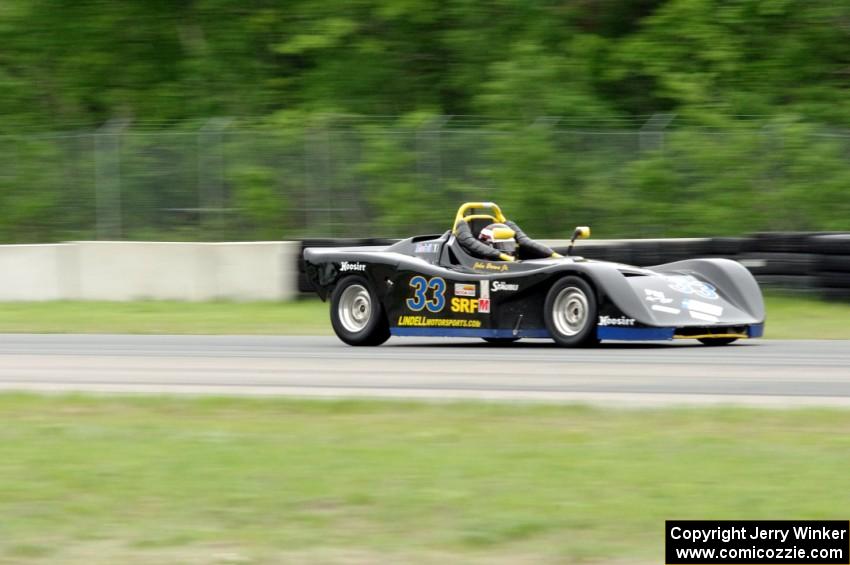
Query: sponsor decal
427	293
471	305
703	317
485	289
703	307
621	321
656	296
490	266
428	247
688	284
426	322
347	266
464	289
499	285
667	309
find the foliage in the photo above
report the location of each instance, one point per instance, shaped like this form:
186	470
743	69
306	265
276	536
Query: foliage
758	90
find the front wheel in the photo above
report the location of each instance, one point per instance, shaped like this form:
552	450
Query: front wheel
717	340
356	313
570	313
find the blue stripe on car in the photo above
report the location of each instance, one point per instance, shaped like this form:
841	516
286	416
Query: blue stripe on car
615	332
606	332
755	330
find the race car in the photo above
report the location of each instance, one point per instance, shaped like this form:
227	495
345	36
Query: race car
465	283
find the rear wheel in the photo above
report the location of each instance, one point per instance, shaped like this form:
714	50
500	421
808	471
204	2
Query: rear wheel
717	340
356	314
570	313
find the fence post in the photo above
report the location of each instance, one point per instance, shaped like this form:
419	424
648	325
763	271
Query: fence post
652	132
211	170
429	137
318	182
107	178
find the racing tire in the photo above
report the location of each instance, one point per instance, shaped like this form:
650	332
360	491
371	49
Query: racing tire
357	316
500	340
570	313
715	341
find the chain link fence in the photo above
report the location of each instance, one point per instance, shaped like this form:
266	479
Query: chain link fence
222	180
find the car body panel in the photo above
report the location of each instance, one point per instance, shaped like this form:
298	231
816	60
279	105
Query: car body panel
429	286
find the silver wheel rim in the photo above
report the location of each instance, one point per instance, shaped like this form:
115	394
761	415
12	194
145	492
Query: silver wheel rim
570	311
355	308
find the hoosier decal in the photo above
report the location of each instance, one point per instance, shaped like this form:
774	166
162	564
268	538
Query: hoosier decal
621	321
346	266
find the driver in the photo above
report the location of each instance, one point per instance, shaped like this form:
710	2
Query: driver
501	238
501	242
511	242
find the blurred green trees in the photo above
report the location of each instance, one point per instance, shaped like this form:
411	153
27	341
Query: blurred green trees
564	92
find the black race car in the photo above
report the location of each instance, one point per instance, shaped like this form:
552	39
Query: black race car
454	285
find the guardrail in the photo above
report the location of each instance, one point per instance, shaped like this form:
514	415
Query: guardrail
808	262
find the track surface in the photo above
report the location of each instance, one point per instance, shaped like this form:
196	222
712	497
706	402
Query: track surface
758	372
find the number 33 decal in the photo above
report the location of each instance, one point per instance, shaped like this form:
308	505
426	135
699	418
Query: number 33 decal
420	300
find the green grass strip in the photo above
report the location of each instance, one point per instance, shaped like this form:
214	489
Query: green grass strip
788	317
142	480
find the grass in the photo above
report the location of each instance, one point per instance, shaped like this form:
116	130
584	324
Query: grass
152	480
788	317
791	317
309	317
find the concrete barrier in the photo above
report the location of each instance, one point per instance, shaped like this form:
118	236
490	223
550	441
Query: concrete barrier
123	271
265	270
37	272
118	270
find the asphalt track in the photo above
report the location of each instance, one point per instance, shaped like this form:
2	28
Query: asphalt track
760	372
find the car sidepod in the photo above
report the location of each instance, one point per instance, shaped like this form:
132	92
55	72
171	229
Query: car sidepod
449	304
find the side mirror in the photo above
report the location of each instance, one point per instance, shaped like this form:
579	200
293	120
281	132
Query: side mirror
581	232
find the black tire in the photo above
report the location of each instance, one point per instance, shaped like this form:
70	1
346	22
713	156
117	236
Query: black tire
787	264
570	313
357	297
840	263
500	340
834	280
834	244
714	341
